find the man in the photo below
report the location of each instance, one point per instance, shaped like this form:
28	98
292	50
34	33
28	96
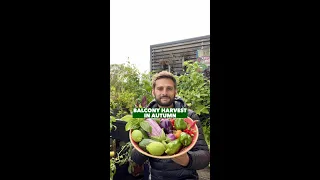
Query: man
164	90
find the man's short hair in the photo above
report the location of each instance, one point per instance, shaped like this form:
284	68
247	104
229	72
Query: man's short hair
162	75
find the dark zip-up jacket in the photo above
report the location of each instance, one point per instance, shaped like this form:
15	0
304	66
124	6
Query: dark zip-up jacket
167	169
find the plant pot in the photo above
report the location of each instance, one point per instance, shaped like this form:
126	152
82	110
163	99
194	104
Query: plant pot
121	172
120	133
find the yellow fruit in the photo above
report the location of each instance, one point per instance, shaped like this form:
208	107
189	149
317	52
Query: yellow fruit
156	148
137	136
111	153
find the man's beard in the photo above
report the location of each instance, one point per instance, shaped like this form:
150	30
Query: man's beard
168	103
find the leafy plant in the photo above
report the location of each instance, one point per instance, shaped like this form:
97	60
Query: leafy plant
123	156
143	103
194	88
112	120
136	123
145	88
127	87
206	131
113	168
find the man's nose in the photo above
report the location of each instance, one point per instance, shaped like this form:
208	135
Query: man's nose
165	92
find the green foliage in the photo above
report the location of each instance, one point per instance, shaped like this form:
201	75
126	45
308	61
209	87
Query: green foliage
136	123
112	120
124	154
145	87
206	131
113	168
194	88
127	87
122	157
146	126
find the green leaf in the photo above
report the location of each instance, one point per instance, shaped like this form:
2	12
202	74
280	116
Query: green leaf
112	119
133	123
163	135
128	126
146	126
157	120
155	138
205	110
199	108
135	126
127	118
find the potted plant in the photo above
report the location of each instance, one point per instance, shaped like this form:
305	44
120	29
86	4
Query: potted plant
120	162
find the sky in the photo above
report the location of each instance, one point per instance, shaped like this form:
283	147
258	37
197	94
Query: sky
135	25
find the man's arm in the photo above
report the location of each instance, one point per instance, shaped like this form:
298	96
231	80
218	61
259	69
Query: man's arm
199	155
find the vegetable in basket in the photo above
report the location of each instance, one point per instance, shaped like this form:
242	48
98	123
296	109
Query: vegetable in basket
166	125
156	148
171	136
157	133
143	144
185	139
189	130
155	128
180	124
177	133
173	147
144	133
162	138
137	135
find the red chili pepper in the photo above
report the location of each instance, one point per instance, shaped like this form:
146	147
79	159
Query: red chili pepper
172	121
185	120
186	130
193	123
191	133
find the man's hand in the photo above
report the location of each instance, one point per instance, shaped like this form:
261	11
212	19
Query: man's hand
183	160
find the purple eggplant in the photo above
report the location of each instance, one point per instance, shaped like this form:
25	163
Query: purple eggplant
166	125
171	136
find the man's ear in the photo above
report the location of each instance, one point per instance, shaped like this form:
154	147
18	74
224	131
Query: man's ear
153	93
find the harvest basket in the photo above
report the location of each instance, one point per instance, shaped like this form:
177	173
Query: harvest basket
182	150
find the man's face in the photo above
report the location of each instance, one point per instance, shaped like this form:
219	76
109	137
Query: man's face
164	92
